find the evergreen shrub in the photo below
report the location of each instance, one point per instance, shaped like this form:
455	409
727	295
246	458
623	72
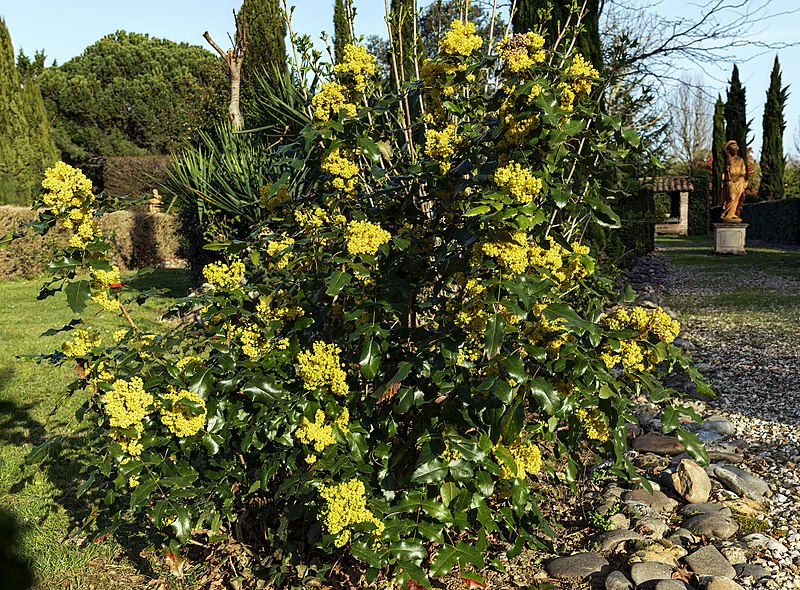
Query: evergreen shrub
403	353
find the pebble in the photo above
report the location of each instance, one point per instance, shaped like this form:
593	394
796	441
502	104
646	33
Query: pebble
616	580
650	570
708	561
578	566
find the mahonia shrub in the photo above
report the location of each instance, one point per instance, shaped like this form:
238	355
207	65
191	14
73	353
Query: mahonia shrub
412	345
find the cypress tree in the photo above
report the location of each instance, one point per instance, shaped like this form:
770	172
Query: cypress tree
773	161
736	124
526	18
42	149
717	153
341	29
266	31
18	168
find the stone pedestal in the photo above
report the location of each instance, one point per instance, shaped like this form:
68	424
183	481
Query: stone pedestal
729	238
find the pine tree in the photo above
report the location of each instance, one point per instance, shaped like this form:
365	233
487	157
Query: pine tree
773	161
266	30
526	18
717	153
737	126
341	28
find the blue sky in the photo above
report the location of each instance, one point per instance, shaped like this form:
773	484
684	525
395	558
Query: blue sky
63	29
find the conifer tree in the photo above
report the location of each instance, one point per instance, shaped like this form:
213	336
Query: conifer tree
42	149
341	28
773	161
266	31
737	126
526	18
717	154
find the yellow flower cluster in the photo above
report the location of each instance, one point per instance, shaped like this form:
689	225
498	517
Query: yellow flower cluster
118	335
269	314
317	432
630	355
581	71
527	458
655	322
518	181
449	453
460	39
127	403
253	343
561	265
346	505
131	447
276	201
343	171
330	101
81	343
441	145
580	74
224	276
521	51
594	424
178	419
278	249
311	219
364	237
322	368
188	360
69	193
548	333
102	280
66	186
470	316
510	254
356	66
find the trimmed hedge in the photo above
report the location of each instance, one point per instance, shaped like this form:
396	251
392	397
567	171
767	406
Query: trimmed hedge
141	239
773	221
620	247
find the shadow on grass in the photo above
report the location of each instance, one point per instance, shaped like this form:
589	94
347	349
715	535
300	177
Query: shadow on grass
15	572
175	280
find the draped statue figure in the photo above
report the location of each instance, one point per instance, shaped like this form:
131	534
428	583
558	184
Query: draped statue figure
734	183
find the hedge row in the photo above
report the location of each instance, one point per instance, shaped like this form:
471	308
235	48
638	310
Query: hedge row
141	239
773	221
699	203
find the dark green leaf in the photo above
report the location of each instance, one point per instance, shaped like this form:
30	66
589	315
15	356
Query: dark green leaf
182	523
409	550
512	422
77	293
430	472
370	358
545	395
202	382
337	281
693	446
495	330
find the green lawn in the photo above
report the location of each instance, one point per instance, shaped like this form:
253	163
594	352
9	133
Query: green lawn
42	497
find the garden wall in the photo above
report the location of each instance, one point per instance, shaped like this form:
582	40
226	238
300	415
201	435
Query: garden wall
141	239
773	221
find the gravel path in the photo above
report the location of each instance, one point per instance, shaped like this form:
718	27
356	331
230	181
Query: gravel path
751	356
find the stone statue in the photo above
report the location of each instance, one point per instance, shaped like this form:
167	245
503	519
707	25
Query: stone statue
733	184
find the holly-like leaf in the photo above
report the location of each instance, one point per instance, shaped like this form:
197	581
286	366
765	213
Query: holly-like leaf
182	525
370	358
693	446
495	330
77	293
337	281
430	472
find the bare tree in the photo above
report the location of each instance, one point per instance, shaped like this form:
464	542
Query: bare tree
234	58
691	112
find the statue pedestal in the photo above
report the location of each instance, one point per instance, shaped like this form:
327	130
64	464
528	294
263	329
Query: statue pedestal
729	238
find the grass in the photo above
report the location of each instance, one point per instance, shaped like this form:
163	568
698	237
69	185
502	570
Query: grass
42	498
761	287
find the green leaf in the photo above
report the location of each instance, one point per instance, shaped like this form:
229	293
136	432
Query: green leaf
77	293
515	367
693	446
512	422
337	281
671	415
545	395
370	149
495	330
448	490
560	310
430	472
631	137
448	556
409	550
262	389
479	210
202	382
182	523
370	358
519	496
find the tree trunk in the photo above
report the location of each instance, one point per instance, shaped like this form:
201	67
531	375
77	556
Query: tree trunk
234	113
